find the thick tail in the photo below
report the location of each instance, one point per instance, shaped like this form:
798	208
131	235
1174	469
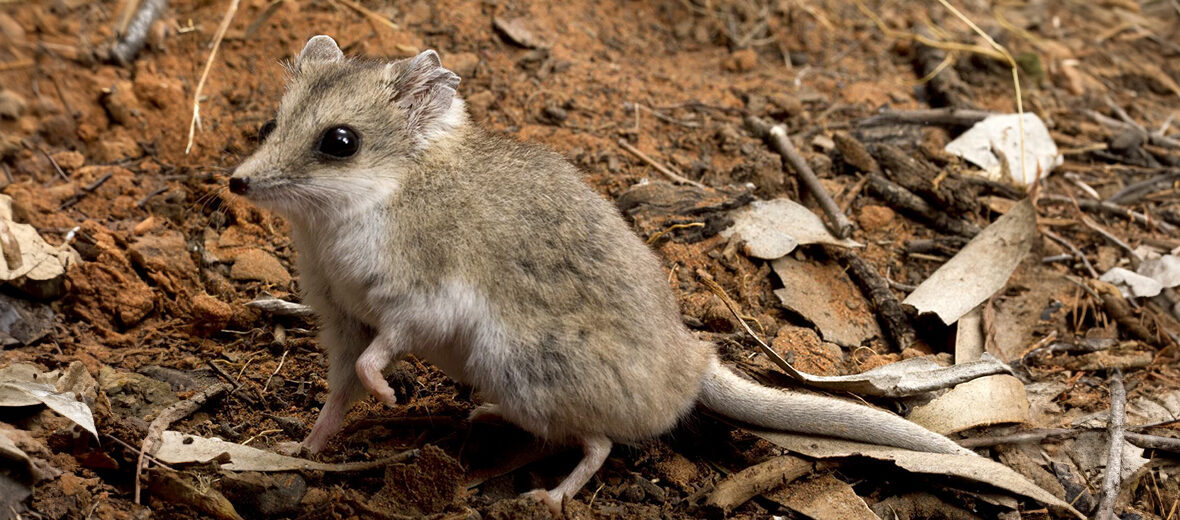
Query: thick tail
725	393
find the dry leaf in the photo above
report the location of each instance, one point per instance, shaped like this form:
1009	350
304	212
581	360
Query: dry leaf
42	266
63	403
977	469
982	402
994	145
907	377
824	498
835	306
776	227
980	269
182	448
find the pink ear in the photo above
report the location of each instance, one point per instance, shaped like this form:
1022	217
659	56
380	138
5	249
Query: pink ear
425	91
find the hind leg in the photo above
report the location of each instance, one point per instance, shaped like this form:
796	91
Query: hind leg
344	339
595	449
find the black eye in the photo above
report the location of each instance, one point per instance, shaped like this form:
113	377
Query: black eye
265	130
340	142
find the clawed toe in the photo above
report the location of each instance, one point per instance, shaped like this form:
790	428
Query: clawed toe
291	449
552	501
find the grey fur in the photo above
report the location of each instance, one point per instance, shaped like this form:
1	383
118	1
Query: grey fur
492	259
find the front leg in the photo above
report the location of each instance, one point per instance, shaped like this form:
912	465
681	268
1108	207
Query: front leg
389	345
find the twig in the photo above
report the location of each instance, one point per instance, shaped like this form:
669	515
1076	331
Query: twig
889	311
755	480
1112	209
1111	237
261	18
1141	440
277	369
776	136
1025	437
1136	191
1154	442
17	64
277	307
137	451
87	189
131	41
943	82
56	167
368	13
143	202
1116	430
1151	137
716	288
167	416
667	171
192	127
1076	252
230	379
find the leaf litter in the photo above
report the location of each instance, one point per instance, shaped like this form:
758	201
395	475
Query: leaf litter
88	160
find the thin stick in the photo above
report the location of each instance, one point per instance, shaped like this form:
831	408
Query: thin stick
56	167
192	126
131	39
273	374
1116	431
930	116
776	136
167	416
1111	208
1076	252
89	188
371	14
667	171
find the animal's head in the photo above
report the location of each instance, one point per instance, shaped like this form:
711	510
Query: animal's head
346	128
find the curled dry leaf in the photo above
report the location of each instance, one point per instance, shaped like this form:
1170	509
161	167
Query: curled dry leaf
63	403
907	377
182	448
985	401
277	307
994	145
1132	284
976	469
824	498
24	385
41	267
776	227
980	269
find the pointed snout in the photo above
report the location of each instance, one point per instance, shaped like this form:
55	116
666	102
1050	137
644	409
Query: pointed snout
239	185
240	181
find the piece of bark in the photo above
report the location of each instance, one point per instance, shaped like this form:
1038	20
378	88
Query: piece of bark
676	211
855	154
944	87
949	192
902	199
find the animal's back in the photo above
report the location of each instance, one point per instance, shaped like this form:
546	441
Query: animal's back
590	337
